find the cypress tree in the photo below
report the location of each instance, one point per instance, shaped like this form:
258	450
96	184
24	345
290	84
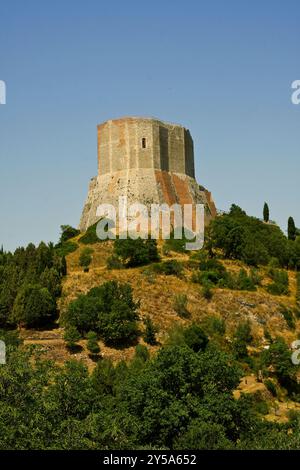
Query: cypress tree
266	213
292	232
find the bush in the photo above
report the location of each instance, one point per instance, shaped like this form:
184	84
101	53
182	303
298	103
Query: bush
136	252
180	305
280	285
271	387
34	306
109	310
247	238
288	316
68	232
71	337
90	236
150	331
92	343
169	267
242	337
141	353
65	248
113	262
175	244
207	292
85	258
215	325
195	338
245	282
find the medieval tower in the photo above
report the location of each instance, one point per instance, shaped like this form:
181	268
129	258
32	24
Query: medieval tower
147	160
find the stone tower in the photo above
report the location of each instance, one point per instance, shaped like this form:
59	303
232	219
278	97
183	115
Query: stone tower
147	160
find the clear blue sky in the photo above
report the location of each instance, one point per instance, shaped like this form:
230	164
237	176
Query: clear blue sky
222	69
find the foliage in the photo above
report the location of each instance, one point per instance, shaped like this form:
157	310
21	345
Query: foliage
150	331
34	306
169	267
242	338
36	266
109	310
180	305
71	337
242	237
195	338
280	284
214	325
137	252
92	342
292	231
68	232
90	236
85	258
266	213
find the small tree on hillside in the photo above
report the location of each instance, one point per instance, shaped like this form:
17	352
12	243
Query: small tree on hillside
34	306
292	231
92	343
71	337
150	331
85	259
266	213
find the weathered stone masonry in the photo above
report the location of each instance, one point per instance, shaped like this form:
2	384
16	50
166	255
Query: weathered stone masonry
147	160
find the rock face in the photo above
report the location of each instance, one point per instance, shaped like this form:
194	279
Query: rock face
147	160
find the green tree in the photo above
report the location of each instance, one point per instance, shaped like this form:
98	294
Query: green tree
136	252
150	331
292	231
266	212
34	306
92	343
68	232
85	258
71	337
195	338
63	266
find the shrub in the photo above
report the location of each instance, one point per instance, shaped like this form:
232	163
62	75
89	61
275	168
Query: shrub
288	316
90	236
247	238
207	292
271	387
175	244
109	310
71	337
92	343
68	232
65	248
195	338
245	282
85	258
280	285
242	337
150	331
114	262
34	306
169	267
141	353
136	252
215	325
180	305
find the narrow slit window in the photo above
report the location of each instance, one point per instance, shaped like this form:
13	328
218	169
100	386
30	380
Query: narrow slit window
144	143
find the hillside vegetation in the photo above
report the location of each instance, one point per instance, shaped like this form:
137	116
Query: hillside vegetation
146	341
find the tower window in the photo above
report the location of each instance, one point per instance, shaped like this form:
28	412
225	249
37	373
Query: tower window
144	143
